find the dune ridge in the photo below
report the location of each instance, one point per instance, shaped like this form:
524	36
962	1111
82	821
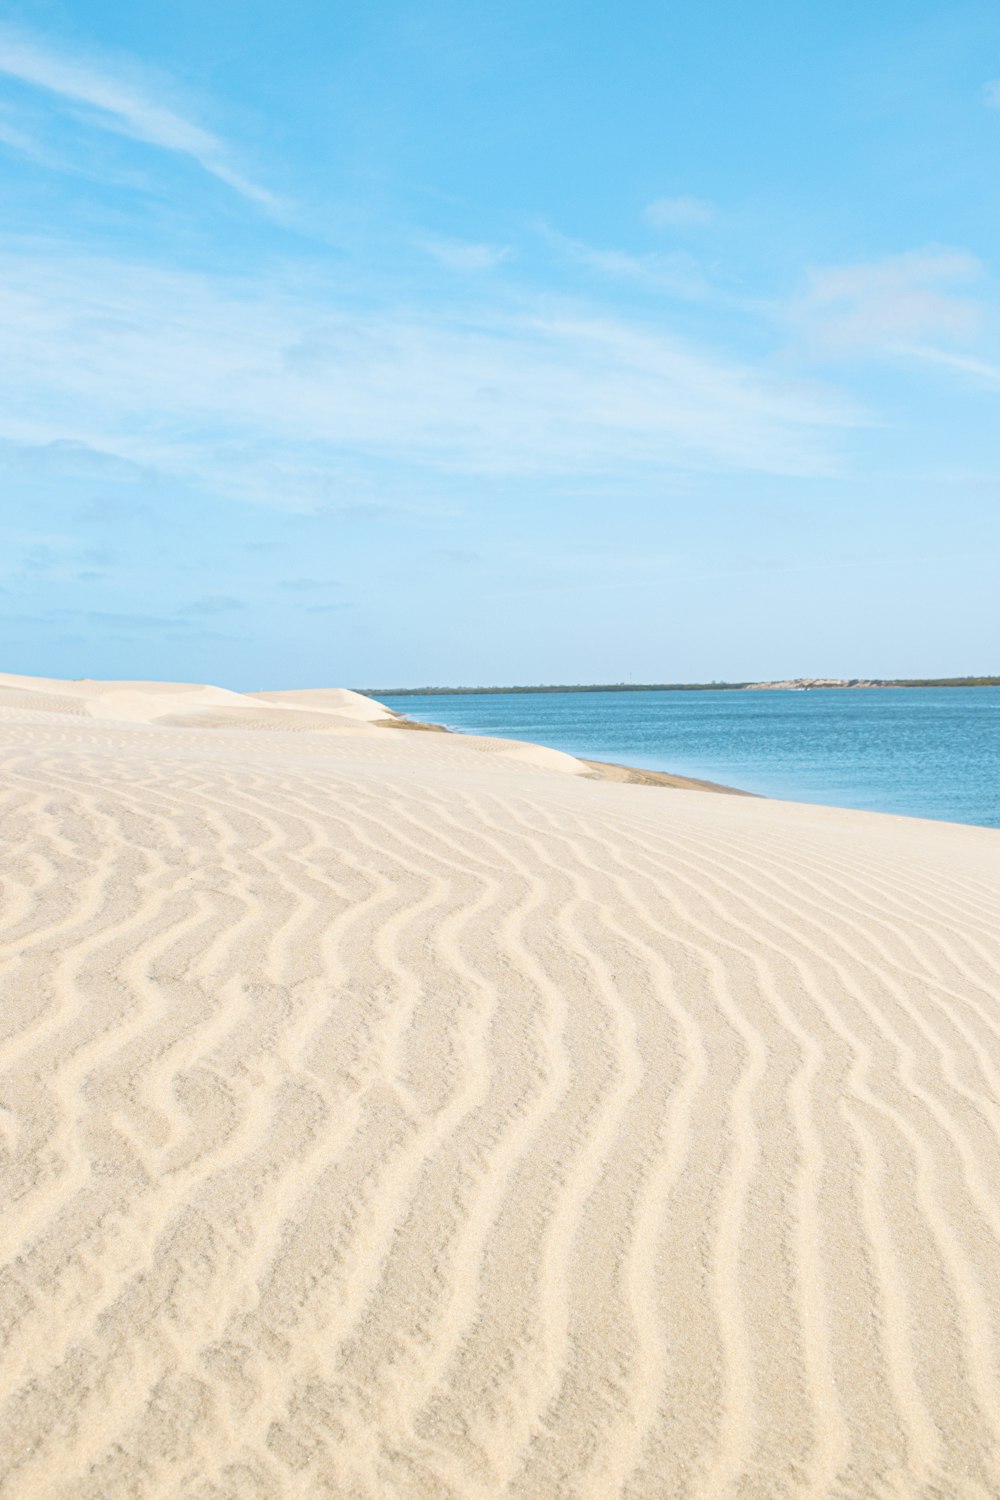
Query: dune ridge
415	1116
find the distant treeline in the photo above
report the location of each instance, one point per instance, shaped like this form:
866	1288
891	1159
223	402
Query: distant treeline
657	687
945	682
560	687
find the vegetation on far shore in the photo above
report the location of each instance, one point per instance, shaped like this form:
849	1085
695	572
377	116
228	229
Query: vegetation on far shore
669	687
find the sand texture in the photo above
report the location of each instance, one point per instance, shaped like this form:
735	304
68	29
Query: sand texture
405	1115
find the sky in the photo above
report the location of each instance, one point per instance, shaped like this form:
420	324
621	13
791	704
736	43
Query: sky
394	343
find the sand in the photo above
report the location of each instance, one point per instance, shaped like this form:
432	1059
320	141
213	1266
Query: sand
409	1115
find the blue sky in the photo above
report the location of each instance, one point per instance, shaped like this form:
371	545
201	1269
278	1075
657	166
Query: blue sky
404	343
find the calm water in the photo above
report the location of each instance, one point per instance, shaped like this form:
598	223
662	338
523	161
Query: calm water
926	752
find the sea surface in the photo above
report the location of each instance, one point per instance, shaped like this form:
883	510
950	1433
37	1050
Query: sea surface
922	752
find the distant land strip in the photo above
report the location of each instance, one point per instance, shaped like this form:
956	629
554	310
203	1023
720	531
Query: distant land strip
797	683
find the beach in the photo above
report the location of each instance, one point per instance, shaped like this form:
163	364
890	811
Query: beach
425	1115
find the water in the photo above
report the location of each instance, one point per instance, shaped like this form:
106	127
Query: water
924	752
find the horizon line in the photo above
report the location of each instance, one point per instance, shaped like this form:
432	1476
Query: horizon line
809	684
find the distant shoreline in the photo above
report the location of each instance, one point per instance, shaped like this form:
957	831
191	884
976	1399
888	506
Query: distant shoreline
798	684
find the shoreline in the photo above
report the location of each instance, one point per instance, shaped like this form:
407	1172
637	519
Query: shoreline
600	770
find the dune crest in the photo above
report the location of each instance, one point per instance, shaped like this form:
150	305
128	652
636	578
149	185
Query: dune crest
401	1115
342	701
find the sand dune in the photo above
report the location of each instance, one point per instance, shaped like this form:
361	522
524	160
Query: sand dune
340	701
390	1115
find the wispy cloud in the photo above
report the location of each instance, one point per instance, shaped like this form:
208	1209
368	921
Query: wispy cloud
19	140
889	305
65	459
203	378
127	620
680	213
991	93
115	103
462	557
676	273
460	255
306	585
213	604
980	370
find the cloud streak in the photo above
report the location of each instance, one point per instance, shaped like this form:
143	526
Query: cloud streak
247	387
891	304
676	273
979	370
123	106
680	213
460	255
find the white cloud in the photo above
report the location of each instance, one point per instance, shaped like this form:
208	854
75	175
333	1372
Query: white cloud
676	273
885	306
19	140
460	255
65	459
980	370
991	93
123	106
680	213
227	384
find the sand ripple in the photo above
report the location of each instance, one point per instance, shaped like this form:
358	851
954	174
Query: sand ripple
383	1115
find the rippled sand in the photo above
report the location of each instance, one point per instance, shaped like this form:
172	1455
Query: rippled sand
405	1115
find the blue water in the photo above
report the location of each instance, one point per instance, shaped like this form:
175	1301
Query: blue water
924	752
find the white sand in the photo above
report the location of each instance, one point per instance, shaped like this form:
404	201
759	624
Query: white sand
391	1115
